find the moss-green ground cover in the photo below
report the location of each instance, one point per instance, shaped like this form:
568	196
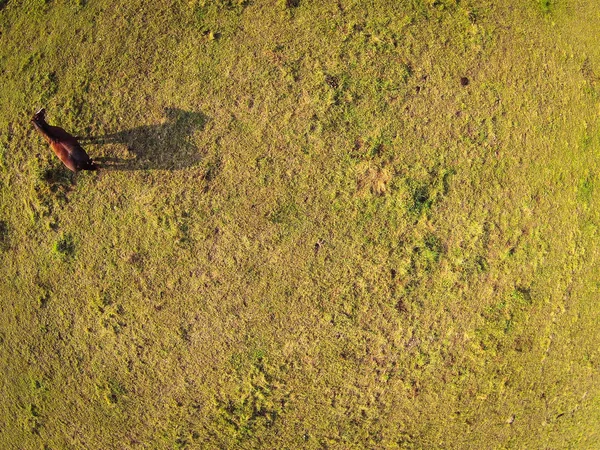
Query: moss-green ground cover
310	231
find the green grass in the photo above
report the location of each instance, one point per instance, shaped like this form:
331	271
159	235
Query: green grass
307	233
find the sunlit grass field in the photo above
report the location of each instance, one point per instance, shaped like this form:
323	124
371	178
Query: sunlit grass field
351	224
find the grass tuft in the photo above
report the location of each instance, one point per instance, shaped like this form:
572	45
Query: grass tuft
64	247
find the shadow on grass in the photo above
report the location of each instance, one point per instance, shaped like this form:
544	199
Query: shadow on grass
162	146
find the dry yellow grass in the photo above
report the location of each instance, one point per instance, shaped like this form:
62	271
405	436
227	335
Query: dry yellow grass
309	233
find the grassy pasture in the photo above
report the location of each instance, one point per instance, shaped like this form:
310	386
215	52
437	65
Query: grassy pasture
319	224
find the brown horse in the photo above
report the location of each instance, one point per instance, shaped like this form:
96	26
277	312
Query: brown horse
63	144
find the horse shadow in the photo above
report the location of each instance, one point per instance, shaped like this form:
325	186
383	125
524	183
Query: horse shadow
165	146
